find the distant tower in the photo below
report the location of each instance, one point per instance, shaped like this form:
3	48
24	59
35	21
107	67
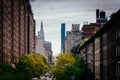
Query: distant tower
40	40
62	36
41	32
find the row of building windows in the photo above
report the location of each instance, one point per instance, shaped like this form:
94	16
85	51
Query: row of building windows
104	52
14	25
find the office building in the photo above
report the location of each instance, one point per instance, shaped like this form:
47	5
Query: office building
73	37
62	36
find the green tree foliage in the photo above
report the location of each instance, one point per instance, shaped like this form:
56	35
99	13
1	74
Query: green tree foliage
83	42
6	72
95	30
28	66
36	64
23	70
67	66
63	60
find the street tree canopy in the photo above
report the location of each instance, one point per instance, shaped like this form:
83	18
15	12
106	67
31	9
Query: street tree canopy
64	59
69	66
66	66
36	63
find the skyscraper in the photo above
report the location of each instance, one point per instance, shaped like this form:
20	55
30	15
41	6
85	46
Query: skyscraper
43	47
40	40
62	36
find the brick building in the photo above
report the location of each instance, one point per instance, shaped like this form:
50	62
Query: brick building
17	30
90	29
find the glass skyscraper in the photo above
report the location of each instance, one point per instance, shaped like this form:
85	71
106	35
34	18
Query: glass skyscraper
62	35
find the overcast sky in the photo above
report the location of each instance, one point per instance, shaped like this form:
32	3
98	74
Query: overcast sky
55	12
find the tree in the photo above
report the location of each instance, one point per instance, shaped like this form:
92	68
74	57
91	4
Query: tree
64	59
35	63
6	72
83	42
28	66
69	65
66	67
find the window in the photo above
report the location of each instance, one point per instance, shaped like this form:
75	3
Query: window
118	71
104	39
118	48
104	52
117	29
117	32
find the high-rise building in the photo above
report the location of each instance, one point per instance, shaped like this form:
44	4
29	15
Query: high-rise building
17	30
62	36
43	47
40	41
73	38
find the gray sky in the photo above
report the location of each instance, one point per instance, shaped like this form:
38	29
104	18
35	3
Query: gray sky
55	12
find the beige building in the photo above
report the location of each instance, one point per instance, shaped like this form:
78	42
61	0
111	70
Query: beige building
40	41
73	37
43	47
39	46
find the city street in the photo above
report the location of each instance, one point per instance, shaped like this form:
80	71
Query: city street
59	40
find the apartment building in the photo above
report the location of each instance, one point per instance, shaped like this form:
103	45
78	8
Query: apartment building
17	30
102	51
